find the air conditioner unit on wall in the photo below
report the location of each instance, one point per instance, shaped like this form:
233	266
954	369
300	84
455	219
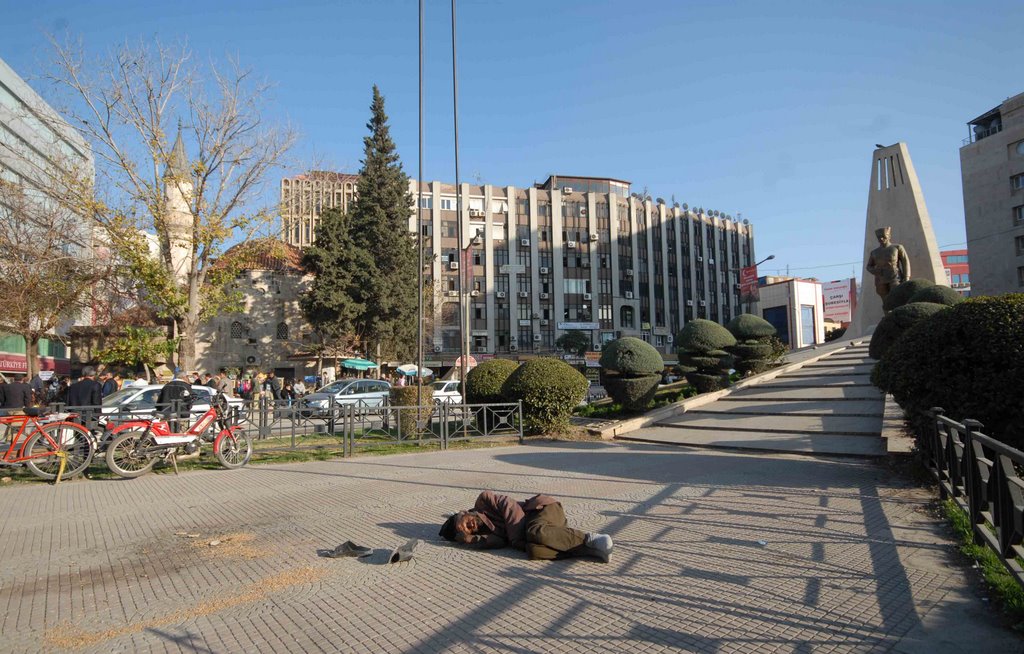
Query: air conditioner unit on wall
629	295
629	272
587	296
535	315
453	265
544	270
438	348
689	303
524	294
544	322
570	244
453	294
513	348
595	237
525	242
566	189
700	258
536	338
668	339
545	296
703	303
500	295
583	212
474	293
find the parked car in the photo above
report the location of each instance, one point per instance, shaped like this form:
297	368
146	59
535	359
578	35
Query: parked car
361	392
134	402
447	392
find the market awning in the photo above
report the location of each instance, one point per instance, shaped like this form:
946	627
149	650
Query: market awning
411	370
358	364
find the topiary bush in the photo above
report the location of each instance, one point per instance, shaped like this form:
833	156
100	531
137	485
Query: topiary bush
484	382
702	356
897	321
549	389
405	396
969	360
631	356
937	294
752	350
631	371
901	295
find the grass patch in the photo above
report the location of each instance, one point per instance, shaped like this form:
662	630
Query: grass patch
1008	593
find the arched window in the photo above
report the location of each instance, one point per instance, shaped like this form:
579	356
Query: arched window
237	330
282	331
626	317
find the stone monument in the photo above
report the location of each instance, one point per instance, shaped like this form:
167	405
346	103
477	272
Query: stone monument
895	201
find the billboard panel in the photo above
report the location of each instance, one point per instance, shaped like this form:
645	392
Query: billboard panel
839	299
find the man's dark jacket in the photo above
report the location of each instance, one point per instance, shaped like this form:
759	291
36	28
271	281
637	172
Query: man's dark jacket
85	392
176	390
15	395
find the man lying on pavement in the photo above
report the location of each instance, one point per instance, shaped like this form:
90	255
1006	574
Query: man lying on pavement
536	526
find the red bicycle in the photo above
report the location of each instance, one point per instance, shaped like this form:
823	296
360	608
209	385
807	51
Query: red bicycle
138	444
51	447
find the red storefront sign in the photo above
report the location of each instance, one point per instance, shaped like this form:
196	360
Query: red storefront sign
18	363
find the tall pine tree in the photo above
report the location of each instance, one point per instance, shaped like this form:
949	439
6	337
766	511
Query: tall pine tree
384	289
328	304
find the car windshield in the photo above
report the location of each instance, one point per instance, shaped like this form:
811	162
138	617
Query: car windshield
117	397
440	386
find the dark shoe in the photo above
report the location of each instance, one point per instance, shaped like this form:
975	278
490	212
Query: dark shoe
348	548
403	553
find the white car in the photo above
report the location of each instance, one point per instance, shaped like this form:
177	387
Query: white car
447	392
139	402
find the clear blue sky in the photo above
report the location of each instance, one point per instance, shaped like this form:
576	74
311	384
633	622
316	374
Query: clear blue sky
769	109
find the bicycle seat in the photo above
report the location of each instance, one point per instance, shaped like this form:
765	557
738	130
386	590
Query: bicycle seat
35	411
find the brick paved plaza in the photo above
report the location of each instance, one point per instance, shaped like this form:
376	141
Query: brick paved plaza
715	552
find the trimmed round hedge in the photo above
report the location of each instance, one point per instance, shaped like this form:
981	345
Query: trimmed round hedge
703	336
631	356
633	393
747	326
484	382
937	294
896	322
901	294
549	389
969	360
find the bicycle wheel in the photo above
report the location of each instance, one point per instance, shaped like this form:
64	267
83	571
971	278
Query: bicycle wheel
127	454
233	449
74	440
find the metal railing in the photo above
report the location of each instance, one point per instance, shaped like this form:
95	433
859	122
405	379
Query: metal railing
354	424
981	475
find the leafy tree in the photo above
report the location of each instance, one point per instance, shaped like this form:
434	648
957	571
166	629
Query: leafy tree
384	285
139	347
574	341
47	270
194	198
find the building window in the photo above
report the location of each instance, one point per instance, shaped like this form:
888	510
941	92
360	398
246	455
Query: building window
1018	243
426	202
1018	216
1017	182
237	330
626	316
1020	276
282	331
448	204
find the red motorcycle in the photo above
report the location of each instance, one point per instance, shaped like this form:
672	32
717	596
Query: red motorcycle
138	444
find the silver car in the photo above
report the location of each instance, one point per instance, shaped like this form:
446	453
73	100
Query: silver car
360	392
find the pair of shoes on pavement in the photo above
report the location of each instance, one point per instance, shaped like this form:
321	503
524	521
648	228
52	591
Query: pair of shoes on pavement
348	548
599	546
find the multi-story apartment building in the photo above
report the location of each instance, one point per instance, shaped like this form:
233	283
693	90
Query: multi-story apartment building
958	270
305	197
574	253
37	147
992	168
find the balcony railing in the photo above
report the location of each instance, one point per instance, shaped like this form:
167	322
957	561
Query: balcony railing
977	136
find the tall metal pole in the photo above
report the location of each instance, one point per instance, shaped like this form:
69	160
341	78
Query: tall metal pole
463	297
419	239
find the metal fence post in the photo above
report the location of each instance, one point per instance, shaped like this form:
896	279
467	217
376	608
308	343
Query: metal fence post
520	409
972	480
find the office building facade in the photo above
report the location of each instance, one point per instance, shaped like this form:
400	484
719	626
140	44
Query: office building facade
574	253
958	270
305	197
992	169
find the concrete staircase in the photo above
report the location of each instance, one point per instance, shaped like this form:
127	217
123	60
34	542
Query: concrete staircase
826	406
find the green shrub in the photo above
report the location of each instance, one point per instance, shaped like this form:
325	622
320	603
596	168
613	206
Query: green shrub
937	294
747	326
901	294
969	360
752	350
549	390
406	396
633	393
896	322
629	356
484	382
702	357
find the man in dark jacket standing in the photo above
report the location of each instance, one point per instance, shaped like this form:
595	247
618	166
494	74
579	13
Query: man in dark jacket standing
536	526
86	392
175	401
15	395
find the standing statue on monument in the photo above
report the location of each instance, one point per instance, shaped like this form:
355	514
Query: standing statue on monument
888	263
